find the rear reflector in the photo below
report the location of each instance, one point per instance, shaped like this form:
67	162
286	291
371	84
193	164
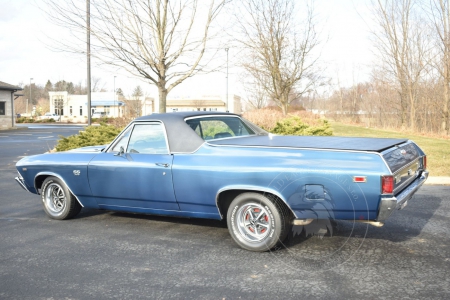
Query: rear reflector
424	162
387	184
359	179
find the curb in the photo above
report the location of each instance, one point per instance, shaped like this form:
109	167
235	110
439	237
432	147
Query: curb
438	180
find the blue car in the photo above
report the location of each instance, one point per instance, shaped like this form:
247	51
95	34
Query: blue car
221	166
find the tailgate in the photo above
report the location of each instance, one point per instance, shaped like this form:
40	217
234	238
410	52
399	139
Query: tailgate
406	162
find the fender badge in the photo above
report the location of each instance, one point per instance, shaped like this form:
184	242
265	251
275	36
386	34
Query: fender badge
76	172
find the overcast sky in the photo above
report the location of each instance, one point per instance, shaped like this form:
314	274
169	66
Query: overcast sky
25	50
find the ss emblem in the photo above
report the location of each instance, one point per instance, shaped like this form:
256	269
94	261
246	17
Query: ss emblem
76	172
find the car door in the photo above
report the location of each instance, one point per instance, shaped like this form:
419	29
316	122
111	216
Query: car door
136	172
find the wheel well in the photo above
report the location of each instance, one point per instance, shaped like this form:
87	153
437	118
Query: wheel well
225	198
38	181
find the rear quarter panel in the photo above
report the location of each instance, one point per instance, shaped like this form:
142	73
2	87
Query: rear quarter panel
295	175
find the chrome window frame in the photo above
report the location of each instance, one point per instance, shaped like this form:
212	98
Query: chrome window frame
132	125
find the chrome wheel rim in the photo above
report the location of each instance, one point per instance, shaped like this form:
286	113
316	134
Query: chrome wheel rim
254	222
55	198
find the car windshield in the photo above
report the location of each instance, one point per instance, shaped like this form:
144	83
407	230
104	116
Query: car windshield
209	128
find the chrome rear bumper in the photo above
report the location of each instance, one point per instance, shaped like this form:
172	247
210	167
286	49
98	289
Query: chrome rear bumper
21	182
389	204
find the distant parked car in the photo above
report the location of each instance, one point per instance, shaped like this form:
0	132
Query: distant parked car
98	114
51	116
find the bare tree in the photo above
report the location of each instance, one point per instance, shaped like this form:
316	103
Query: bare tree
97	84
134	104
256	96
440	15
402	46
162	41
280	50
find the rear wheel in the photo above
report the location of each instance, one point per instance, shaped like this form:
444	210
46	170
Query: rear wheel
257	223
58	202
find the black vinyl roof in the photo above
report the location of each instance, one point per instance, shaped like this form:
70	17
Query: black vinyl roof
180	135
182	139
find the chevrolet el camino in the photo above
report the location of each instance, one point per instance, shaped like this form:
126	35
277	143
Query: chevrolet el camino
221	166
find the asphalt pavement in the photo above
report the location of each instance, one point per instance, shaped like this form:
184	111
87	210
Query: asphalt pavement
110	255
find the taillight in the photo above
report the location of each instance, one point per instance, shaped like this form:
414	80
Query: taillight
387	184
424	162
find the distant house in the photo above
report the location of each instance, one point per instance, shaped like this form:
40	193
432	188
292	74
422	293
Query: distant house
7	97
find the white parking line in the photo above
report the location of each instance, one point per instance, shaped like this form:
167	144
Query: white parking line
45	137
41	132
21	134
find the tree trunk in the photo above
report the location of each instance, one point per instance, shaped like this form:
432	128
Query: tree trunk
444	123
162	98
412	111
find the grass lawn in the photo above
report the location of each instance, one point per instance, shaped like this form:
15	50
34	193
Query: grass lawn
437	150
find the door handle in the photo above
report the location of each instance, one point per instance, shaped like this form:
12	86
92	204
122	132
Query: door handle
162	165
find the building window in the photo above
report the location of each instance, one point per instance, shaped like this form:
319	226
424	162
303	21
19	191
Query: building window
204	109
59	106
81	110
107	110
2	108
70	110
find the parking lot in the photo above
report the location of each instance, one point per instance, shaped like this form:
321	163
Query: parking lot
110	255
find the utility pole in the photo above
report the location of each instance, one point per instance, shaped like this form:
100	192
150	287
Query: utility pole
226	49
115	96
30	97
88	53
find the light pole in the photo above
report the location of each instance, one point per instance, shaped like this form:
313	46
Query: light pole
115	95
30	97
226	49
88	56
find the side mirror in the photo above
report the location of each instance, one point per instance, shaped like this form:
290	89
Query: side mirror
121	151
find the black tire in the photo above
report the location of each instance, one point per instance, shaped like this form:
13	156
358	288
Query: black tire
257	223
58	201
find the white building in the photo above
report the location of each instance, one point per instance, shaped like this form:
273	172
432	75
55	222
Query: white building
204	103
74	108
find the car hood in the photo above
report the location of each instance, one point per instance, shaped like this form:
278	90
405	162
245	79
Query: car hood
317	142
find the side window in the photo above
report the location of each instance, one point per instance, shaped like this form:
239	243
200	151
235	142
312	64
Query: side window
215	129
122	142
148	139
209	128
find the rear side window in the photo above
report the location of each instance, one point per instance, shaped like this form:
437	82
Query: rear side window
209	128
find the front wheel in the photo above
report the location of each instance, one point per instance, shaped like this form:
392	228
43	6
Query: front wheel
256	223
58	201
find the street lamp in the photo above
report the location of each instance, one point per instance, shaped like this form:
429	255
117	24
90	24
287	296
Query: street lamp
115	95
226	49
30	97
